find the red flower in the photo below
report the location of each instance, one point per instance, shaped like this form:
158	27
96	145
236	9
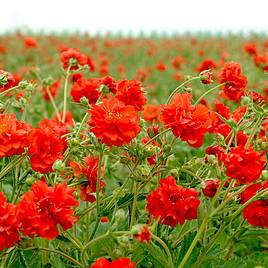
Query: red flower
261	61
114	122
47	145
10	81
220	127
206	77
14	135
187	121
160	66
173	204
211	187
43	208
73	54
29	42
130	92
110	83
256	213
177	62
251	48
86	88
52	89
151	113
90	170
244	165
119	263
206	65
235	81
9	224
143	235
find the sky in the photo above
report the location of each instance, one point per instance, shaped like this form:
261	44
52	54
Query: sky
102	16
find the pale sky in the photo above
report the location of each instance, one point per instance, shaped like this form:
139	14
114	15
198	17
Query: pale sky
137	15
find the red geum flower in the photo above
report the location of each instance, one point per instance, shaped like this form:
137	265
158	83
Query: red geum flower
86	88
52	89
177	62
110	83
119	263
211	187
206	65
256	213
73	57
160	66
251	48
261	61
30	42
43	208
206	77
151	113
173	204
47	145
90	170
131	93
220	127
244	165
235	81
10	81
14	135
9	224
187	121
114	122
143	234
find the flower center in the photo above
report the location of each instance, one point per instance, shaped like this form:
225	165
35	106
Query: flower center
112	115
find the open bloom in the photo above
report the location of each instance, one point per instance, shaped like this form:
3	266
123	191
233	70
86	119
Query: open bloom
9	224
256	213
75	55
187	121
90	171
86	88
14	135
244	165
47	145
114	122
235	81
43	208
173	204
130	92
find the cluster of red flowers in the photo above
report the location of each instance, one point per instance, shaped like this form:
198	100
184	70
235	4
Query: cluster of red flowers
256	213
234	81
9	224
39	213
74	58
220	127
173	204
119	263
46	145
90	171
44	207
114	122
244	165
14	135
189	122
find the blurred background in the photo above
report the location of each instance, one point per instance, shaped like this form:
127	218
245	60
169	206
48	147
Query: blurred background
134	17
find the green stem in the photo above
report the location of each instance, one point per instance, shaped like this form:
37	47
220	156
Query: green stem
84	250
156	136
67	257
53	103
9	90
180	86
10	166
134	206
163	244
207	92
65	94
251	136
